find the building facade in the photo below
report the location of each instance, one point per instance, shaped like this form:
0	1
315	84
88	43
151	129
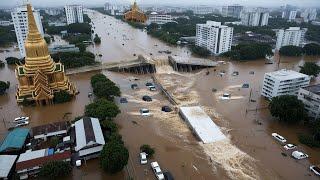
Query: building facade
53	11
254	18
309	15
232	11
310	96
293	36
283	82
40	77
20	22
290	15
74	13
157	18
215	37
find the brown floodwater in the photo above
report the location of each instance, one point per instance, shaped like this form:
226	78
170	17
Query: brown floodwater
251	153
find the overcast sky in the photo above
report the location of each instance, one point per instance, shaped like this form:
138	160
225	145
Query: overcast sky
267	3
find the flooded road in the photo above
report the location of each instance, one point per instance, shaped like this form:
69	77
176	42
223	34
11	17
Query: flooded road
251	153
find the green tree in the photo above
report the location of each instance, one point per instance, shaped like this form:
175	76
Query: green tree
312	49
97	39
3	87
47	39
102	109
62	96
114	156
82	47
86	18
55	170
246	51
290	51
203	52
84	28
310	68
109	126
74	59
54	141
97	78
105	89
12	60
147	149
287	108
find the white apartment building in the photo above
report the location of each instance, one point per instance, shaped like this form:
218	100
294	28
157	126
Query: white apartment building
157	18
310	96
231	11
283	82
74	13
254	18
309	15
293	36
53	11
20	22
290	15
215	37
114	9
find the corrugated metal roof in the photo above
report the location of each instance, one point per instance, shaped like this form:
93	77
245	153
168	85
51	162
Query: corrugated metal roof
6	163
15	139
32	155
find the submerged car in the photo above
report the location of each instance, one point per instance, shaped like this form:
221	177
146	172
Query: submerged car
123	100
145	112
166	109
152	88
157	171
299	155
168	175
147	98
226	96
143	158
22	123
22	118
279	138
289	146
149	84
315	170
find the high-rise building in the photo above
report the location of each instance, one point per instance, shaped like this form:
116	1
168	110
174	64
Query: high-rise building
159	18
232	11
310	96
283	82
254	18
20	22
40	77
293	36
74	13
290	15
215	37
309	15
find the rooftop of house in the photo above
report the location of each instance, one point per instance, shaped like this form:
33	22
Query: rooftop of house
15	139
285	74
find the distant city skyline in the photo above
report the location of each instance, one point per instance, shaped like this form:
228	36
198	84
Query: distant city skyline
265	3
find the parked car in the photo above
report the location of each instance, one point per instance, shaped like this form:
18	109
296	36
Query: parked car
315	169
145	112
157	171
226	96
148	84
279	138
299	155
22	118
143	158
152	88
123	100
289	146
166	109
168	176
134	86
245	85
22	123
147	98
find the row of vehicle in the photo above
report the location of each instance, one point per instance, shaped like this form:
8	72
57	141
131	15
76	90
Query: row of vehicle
149	85
295	154
155	168
21	121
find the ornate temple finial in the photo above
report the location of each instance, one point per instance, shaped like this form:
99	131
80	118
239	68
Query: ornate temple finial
32	26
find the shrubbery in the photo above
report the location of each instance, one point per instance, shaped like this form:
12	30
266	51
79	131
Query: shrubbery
311	49
147	149
4	86
249	51
200	51
102	109
61	97
104	88
74	59
308	140
290	51
55	170
310	68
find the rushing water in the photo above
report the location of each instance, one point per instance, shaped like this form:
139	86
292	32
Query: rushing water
251	153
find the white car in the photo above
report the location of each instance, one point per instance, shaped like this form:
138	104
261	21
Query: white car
279	138
299	155
157	171
22	123
145	112
289	146
143	158
152	88
225	96
21	119
315	169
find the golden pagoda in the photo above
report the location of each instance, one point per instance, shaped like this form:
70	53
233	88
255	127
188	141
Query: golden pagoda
135	15
40	76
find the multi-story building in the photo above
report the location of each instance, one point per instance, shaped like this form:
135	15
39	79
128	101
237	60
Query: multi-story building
53	11
114	9
232	11
215	37
74	13
254	18
293	36
20	22
5	23
158	18
309	15
283	82
290	15
310	96
202	9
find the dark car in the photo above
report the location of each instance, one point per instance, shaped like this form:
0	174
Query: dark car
147	98
134	86
168	176
123	100
149	84
166	109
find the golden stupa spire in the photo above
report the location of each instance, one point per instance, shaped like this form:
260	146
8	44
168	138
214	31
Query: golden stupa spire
33	32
